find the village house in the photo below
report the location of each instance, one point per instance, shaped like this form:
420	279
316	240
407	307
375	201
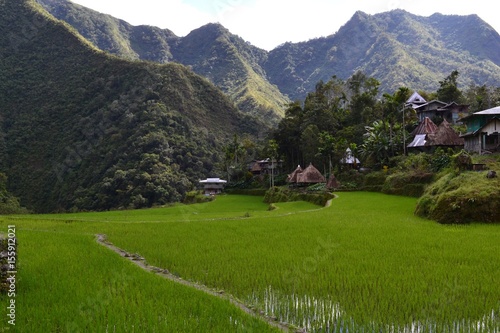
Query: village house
213	186
307	176
428	136
451	112
483	129
350	160
265	167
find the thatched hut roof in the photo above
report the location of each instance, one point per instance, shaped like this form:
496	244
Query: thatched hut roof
425	127
292	178
445	136
427	134
310	175
332	182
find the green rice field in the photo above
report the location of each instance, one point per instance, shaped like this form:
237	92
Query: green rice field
364	263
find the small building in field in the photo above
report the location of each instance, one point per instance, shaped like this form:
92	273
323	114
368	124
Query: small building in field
483	130
292	178
308	176
350	160
332	182
213	186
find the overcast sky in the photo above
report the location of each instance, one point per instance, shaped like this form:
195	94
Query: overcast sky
269	23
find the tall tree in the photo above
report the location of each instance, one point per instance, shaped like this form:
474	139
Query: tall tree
393	111
272	151
482	97
327	148
234	157
362	92
448	91
310	143
288	134
380	143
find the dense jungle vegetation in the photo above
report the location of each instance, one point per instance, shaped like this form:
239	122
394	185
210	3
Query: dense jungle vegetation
81	129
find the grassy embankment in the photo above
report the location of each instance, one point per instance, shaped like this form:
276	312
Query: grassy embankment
364	261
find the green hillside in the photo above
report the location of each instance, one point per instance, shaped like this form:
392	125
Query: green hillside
234	66
86	130
397	48
212	51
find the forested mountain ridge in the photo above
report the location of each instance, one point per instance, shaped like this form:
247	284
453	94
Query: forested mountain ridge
212	51
81	129
396	47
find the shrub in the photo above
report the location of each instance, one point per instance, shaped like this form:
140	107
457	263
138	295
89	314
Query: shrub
280	194
409	184
462	161
440	159
375	178
463	198
350	179
196	197
8	203
250	191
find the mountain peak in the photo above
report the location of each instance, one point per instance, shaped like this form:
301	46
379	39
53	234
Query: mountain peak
211	28
359	15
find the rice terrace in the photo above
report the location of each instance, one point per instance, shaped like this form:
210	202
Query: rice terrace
362	263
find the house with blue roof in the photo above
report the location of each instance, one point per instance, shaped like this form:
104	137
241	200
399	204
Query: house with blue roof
483	129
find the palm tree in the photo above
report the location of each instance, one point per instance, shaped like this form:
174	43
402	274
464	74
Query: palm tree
381	141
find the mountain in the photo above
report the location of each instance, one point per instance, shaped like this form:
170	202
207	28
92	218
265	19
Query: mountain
212	51
396	47
82	129
234	66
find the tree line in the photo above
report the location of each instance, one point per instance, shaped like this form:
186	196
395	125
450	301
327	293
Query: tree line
341	114
351	113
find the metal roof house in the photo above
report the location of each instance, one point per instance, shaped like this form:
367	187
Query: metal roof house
428	136
350	159
265	166
213	186
483	129
451	112
415	100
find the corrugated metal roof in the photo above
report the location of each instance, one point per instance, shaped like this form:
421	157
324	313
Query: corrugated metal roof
495	110
213	181
416	99
426	106
492	111
418	141
443	136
